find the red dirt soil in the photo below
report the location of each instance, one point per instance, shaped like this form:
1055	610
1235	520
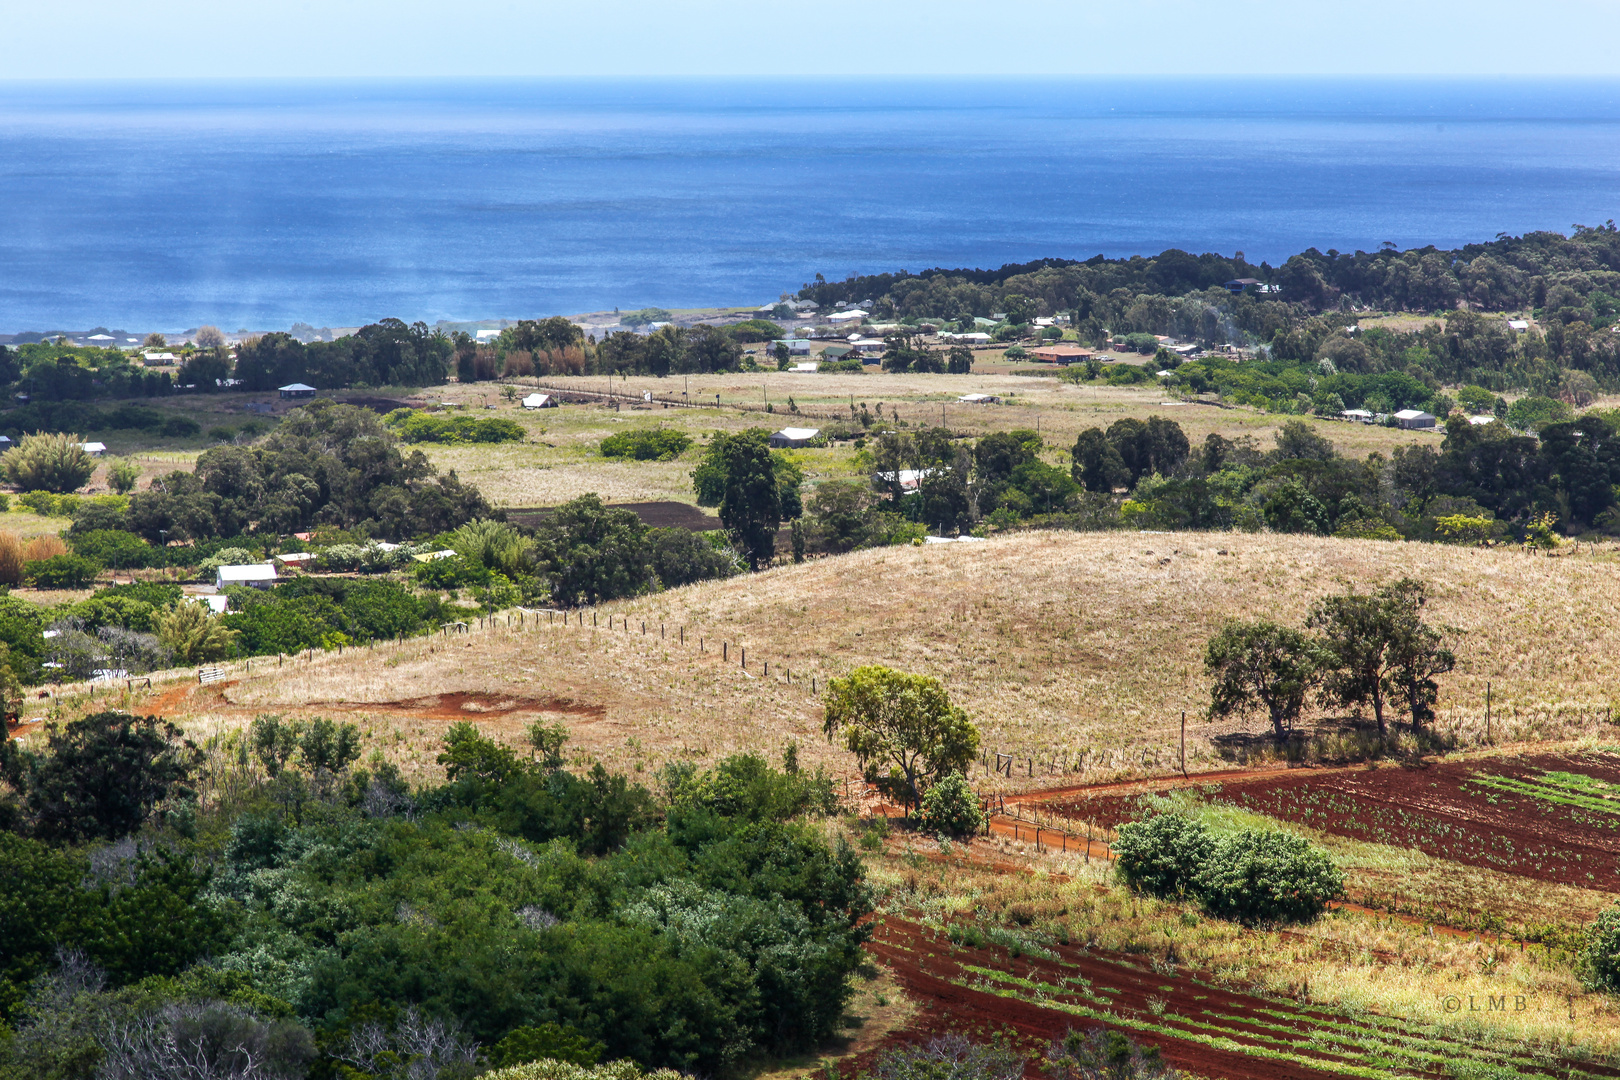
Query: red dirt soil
1439	809
930	969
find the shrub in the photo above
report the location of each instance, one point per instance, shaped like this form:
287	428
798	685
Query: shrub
61	572
122	474
554	1069
11	559
112	547
44	462
646	444
951	807
552	1043
416	427
1163	855
951	1057
1267	877
194	633
1104	1054
682	557
1016	352
1600	960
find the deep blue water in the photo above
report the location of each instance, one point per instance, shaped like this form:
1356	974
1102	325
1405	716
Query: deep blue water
166	205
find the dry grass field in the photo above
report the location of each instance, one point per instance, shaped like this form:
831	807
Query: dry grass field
1077	648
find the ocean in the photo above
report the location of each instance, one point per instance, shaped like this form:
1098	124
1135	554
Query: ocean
165	205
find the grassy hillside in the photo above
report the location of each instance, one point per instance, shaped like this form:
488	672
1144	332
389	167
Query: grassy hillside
1081	646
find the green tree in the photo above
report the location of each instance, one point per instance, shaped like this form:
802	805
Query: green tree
959	360
1260	666
1381	647
48	462
1097	462
195	634
102	775
1600	959
1162	855
589	552
902	727
750	496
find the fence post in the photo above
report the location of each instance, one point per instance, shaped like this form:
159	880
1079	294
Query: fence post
725	650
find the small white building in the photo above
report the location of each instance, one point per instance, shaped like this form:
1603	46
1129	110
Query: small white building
256	575
979	399
908	479
1414	419
864	346
1521	325
1481	420
218	604
296	558
539	401
94	449
795	346
297	390
794	436
975	338
807	367
852	315
1359	416
159	359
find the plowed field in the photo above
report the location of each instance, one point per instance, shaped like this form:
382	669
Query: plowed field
1199	1026
1551	817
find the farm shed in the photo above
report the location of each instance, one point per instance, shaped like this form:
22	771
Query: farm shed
258	575
94	449
1414	419
1060	354
794	436
297	390
539	401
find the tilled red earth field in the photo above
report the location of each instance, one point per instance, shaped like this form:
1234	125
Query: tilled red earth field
1200	1027
1549	817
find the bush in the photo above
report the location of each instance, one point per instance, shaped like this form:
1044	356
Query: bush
1105	1054
194	633
682	557
646	444
1016	352
950	807
1162	856
1600	960
1268	877
61	572
555	1069
112	547
416	427
122	474
951	1057
43	462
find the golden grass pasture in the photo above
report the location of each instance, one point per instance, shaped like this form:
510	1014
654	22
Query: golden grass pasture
1081	647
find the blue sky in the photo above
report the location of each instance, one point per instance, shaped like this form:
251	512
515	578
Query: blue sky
331	38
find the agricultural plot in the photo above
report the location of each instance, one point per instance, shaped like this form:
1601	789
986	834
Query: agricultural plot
966	979
1550	817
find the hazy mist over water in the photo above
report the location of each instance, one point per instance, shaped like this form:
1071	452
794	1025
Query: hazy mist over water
165	205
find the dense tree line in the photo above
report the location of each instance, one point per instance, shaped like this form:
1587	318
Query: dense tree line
310	911
386	353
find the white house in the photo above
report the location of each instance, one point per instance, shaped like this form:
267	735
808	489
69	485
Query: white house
852	315
794	436
1521	325
1414	419
94	449
257	575
1360	416
975	338
908	479
297	390
868	346
809	366
1481	421
158	359
539	401
217	604
795	346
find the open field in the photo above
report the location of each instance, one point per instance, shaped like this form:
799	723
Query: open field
1072	650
